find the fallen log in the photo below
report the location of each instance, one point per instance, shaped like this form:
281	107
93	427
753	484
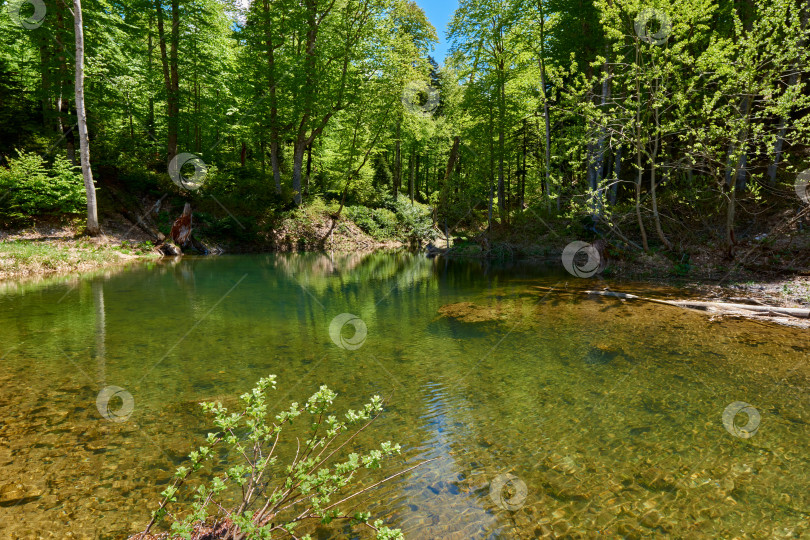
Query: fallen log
792	312
169	250
720	306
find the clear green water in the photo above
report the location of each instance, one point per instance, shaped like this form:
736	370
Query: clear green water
610	413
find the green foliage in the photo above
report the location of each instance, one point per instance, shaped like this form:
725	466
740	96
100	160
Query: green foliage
226	227
275	496
138	248
415	220
30	188
382	173
379	223
721	95
21	254
386	220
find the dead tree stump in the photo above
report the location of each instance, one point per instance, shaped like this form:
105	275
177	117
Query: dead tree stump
181	230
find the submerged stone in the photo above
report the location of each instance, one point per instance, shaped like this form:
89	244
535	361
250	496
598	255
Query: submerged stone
601	355
468	312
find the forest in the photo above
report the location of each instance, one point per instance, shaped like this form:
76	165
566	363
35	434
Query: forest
662	127
388	346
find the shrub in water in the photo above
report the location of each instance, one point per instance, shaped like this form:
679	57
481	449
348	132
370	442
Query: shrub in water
272	497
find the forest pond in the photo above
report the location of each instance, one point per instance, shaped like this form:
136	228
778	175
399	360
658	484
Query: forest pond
550	412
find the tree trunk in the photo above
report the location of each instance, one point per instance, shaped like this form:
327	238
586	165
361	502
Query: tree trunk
638	205
183	228
777	147
62	78
501	140
70	143
523	168
444	187
150	120
617	171
298	165
174	120
639	168
732	208
780	138
197	116
427	175
62	101
275	165
397	163
84	140
654	183
733	173
417	180
171	78
546	114
45	83
411	167
271	83
489	208
491	169
737	147
309	169
599	161
656	216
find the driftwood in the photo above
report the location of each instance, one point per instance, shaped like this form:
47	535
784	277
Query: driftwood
169	250
719	306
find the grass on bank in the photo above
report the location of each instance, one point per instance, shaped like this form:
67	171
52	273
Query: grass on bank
28	257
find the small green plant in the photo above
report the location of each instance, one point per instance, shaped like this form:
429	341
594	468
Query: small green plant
416	221
127	247
380	223
271	498
29	187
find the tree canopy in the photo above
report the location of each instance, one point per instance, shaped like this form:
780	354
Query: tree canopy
596	109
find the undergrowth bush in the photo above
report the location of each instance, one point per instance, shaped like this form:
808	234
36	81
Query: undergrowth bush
29	187
380	223
272	497
415	220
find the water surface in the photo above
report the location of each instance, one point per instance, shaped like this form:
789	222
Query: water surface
610	413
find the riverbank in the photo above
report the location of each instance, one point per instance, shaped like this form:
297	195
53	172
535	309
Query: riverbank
53	249
58	249
769	264
754	278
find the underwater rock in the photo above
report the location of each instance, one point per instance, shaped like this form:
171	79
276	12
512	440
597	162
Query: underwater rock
601	354
651	519
655	479
468	312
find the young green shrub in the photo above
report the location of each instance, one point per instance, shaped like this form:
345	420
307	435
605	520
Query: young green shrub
28	187
415	220
363	218
276	498
386	222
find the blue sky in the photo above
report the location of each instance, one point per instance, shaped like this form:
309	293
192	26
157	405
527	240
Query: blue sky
439	12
